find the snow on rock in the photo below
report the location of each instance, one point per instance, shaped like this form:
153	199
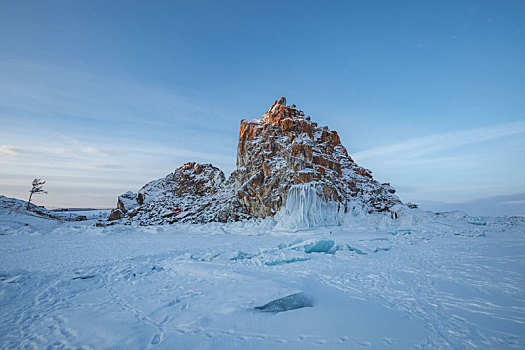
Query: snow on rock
15	218
194	193
127	201
285	163
10	206
285	149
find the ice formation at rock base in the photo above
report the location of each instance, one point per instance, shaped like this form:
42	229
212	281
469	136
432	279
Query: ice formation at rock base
305	208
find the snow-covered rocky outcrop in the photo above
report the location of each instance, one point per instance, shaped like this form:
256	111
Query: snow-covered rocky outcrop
18	213
286	164
284	149
12	206
195	193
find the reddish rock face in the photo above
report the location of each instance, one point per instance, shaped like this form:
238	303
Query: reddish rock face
285	148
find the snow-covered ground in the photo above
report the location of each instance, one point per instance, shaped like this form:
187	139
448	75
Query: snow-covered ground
422	281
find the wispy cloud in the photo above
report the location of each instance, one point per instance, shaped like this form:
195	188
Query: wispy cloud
60	151
439	142
92	150
30	87
454	166
520	201
9	150
102	152
63	152
103	166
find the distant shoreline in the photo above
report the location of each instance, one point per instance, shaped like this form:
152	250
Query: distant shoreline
77	209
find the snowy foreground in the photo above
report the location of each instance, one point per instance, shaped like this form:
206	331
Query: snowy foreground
423	281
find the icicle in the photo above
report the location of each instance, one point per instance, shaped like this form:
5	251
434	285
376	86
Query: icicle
305	209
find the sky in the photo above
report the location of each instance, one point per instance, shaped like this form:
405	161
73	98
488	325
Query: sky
101	97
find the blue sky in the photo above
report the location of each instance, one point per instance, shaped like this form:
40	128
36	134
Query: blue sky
100	97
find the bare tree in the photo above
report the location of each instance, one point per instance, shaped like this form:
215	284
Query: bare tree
36	188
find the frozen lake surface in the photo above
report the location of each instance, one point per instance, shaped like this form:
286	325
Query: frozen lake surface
423	281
